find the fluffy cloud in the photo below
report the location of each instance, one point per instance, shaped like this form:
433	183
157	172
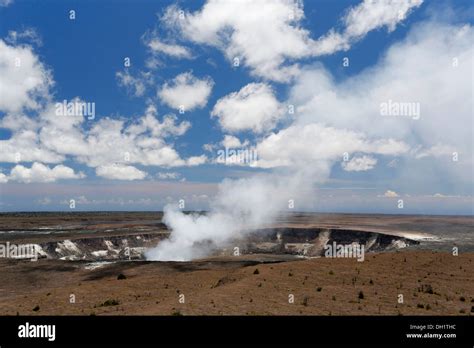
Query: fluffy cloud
253	108
158	47
41	173
263	34
267	35
120	172
52	138
363	18
134	85
231	141
24	144
112	141
161	49
418	69
299	145
429	68
187	91
358	164
24	79
196	160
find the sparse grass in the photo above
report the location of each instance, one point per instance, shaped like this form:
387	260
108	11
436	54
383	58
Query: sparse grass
361	295
426	288
240	286
110	302
256	271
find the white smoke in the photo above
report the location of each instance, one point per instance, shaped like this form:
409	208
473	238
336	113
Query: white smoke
336	118
240	206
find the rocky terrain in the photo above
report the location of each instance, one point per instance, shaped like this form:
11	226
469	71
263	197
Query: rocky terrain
307	242
432	283
93	264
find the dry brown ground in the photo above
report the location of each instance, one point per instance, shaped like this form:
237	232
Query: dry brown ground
320	286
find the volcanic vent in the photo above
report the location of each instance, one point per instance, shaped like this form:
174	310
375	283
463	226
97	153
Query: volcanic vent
311	242
130	236
277	241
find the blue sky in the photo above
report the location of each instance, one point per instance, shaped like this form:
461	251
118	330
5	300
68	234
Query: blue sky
387	160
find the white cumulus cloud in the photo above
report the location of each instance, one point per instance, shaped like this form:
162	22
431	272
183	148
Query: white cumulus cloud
262	34
253	108
267	35
120	172
41	173
231	141
186	91
428	67
363	18
299	145
24	80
